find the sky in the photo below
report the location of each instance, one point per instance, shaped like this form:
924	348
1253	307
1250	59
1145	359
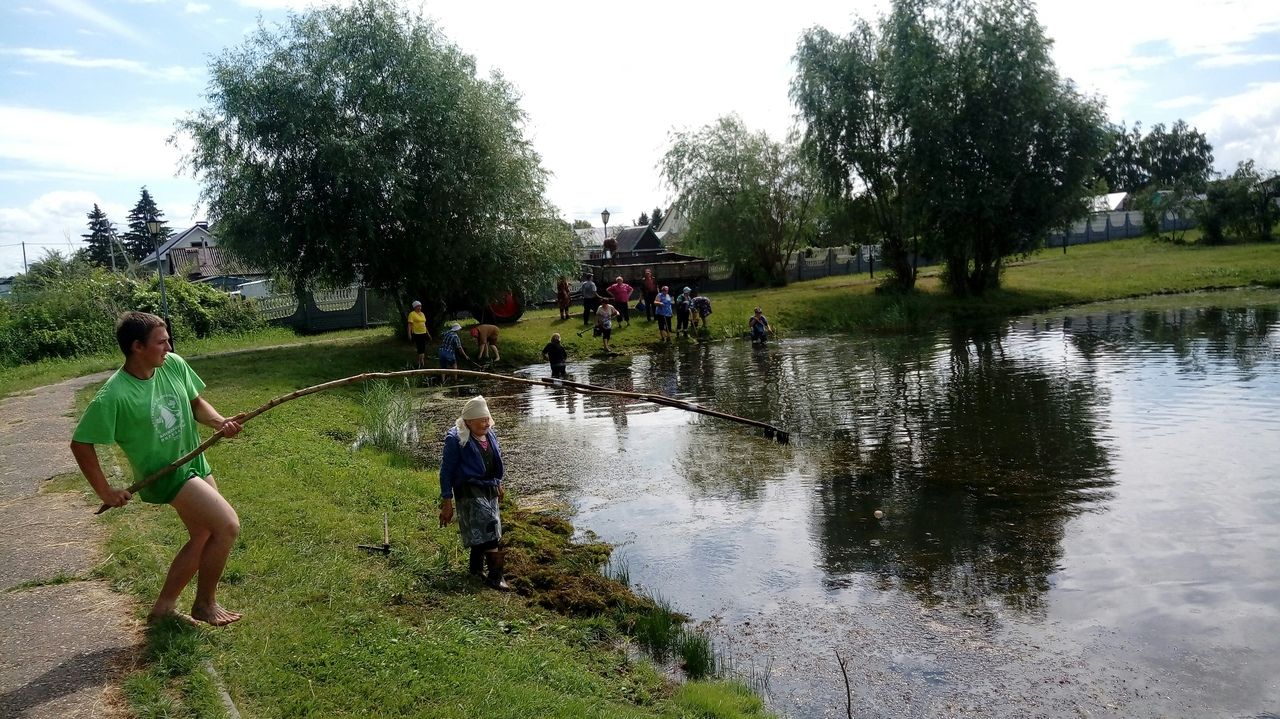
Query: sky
90	90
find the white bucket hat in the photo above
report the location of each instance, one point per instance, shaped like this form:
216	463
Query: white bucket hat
455	326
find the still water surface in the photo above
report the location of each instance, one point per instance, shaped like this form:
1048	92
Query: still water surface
1081	509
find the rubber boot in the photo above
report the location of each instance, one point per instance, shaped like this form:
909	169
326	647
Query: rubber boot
476	565
496	559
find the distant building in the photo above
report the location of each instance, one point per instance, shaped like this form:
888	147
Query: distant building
6	286
194	255
1111	202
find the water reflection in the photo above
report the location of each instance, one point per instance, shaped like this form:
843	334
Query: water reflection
978	462
1036	475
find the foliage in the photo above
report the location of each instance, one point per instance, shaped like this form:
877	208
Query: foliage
68	308
1178	155
642	220
581	225
749	200
656	217
1242	205
1175	206
1163	157
100	238
848	91
1122	169
358	143
137	240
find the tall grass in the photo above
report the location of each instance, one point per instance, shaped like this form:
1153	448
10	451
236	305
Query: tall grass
387	412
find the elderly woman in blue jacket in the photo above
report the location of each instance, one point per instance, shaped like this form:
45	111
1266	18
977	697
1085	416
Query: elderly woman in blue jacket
471	475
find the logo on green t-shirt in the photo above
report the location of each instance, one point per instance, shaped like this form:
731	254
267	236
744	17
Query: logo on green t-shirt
166	417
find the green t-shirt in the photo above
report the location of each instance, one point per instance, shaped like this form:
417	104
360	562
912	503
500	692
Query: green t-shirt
152	422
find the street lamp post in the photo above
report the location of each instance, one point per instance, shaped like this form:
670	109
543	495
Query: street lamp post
153	227
604	217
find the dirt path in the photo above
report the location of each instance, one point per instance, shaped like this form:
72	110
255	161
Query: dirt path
67	640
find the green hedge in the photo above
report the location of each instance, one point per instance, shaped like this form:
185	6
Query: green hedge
71	310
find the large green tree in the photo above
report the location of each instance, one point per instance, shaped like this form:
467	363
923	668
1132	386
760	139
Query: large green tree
100	237
358	144
1009	148
1178	154
749	199
137	239
953	119
856	134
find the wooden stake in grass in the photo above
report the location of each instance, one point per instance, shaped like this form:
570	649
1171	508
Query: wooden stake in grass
771	432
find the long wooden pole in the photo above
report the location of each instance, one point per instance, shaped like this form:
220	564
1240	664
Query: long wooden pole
771	432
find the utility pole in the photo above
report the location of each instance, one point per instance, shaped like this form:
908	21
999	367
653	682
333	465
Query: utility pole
24	257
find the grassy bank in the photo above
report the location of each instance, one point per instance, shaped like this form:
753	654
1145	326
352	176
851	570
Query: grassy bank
1087	273
333	631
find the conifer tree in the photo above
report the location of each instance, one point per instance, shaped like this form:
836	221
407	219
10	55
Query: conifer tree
99	239
137	241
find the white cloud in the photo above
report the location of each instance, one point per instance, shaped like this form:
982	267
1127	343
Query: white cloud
46	223
37	142
195	8
1180	102
85	11
1106	46
1244	126
28	10
70	58
1233	59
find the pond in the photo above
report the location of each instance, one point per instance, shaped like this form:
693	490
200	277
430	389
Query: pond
1081	510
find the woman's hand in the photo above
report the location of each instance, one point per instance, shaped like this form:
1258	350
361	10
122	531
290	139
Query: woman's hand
502	491
446	512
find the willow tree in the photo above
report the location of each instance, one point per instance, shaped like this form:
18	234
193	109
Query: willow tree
749	199
952	116
856	136
358	144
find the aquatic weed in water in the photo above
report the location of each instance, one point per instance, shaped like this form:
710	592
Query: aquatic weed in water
697	657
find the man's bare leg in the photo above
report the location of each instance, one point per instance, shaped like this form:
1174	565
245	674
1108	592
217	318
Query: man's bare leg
206	514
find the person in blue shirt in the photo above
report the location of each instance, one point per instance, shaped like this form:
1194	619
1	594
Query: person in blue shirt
759	325
471	475
450	346
662	308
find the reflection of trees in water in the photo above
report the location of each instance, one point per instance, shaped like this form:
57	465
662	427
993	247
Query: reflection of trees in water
1241	336
978	460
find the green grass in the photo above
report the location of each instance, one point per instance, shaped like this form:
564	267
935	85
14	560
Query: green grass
333	631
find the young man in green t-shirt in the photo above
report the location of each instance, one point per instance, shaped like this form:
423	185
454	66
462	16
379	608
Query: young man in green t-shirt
150	407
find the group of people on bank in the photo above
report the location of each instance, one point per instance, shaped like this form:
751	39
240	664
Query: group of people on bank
689	310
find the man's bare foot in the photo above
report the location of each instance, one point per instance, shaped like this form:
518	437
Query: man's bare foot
156	617
215	615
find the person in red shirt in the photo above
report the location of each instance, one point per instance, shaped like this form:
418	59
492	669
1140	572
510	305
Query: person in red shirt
649	290
620	292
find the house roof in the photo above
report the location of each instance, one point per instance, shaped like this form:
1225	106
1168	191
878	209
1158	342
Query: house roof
638	238
200	262
673	221
199	232
1107	203
594	236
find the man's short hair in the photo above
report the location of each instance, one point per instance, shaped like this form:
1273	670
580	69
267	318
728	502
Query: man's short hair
135	327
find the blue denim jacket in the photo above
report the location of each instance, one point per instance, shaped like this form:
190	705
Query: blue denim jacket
465	464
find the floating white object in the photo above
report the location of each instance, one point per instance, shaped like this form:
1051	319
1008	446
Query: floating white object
879	514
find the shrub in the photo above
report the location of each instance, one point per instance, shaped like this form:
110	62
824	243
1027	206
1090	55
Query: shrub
65	308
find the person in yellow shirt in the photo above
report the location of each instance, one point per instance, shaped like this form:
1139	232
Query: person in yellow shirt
418	332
